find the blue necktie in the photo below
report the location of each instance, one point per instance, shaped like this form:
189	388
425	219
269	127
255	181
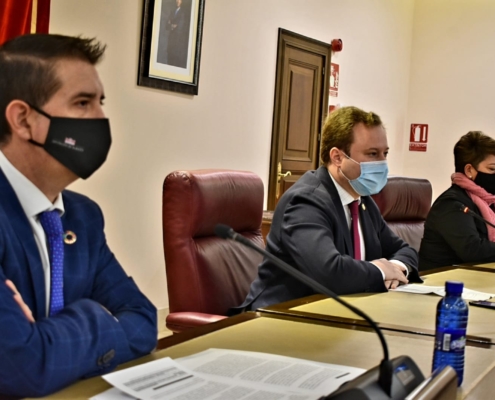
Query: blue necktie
52	225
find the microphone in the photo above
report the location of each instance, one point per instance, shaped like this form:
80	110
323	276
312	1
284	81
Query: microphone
467	210
392	379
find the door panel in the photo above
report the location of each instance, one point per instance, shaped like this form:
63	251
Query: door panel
300	108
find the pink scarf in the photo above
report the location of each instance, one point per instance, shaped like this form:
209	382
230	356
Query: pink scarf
480	197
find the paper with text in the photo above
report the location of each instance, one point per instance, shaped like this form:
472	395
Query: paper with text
228	374
467	294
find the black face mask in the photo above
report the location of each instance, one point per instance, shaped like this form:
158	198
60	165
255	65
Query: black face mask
486	181
79	144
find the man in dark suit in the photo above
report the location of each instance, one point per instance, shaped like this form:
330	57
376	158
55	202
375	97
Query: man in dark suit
313	228
178	27
67	308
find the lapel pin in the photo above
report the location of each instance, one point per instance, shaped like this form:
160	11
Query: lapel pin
70	237
363	206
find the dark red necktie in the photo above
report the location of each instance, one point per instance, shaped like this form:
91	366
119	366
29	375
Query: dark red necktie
356	240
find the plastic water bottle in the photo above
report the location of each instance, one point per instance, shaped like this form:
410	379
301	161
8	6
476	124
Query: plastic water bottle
450	334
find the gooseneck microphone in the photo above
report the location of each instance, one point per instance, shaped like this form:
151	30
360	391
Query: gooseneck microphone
391	388
467	210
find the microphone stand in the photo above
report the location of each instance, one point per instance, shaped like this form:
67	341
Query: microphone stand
386	369
467	210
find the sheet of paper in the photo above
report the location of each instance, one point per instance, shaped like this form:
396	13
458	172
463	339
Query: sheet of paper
233	393
269	369
227	375
467	294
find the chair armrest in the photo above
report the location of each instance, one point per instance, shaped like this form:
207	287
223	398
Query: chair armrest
181	321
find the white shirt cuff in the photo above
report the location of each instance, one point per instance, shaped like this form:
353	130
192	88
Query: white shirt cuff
396	262
379	269
402	265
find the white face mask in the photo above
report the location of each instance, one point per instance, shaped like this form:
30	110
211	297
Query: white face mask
373	177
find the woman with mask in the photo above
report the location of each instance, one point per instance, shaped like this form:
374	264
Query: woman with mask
453	235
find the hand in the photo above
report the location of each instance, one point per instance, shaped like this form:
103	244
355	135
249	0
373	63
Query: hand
392	284
394	275
18	298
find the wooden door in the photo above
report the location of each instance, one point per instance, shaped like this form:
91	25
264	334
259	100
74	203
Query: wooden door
301	103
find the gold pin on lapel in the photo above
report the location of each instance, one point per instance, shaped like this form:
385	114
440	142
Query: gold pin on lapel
363	206
70	237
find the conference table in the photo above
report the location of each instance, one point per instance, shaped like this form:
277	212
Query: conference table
399	311
311	341
480	267
319	329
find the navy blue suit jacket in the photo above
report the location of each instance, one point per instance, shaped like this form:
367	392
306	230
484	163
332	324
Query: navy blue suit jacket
309	231
83	339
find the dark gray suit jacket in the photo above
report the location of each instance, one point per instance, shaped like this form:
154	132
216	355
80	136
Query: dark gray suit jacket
309	231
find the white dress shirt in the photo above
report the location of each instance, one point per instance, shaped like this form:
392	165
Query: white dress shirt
33	202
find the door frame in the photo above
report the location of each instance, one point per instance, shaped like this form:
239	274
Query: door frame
285	39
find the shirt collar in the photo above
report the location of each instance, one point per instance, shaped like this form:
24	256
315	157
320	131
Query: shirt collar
344	195
32	200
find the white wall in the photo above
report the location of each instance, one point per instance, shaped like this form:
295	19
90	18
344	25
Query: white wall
229	124
452	84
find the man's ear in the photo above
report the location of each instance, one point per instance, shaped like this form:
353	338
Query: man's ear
19	116
336	156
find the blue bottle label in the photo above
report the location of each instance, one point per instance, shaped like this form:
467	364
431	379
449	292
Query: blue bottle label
450	340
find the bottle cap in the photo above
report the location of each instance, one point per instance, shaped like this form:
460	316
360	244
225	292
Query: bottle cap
454	287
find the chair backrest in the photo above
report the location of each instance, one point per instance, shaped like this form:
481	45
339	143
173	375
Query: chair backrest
205	273
404	204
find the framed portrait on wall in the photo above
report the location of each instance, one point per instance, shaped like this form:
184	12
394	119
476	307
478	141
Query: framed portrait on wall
170	52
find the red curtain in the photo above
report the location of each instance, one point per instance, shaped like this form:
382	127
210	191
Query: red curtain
15	17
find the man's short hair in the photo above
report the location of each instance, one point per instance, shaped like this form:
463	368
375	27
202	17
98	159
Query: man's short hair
27	68
472	148
338	130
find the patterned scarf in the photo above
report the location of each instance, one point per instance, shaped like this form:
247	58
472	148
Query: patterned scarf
480	197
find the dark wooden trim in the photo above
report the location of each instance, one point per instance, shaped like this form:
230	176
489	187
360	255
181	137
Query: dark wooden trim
359	324
308	318
294	303
478	268
470	267
192	333
435	270
286	310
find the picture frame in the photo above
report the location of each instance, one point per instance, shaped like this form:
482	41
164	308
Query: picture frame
170	50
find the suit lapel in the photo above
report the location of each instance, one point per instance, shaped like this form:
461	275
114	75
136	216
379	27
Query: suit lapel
20	225
324	177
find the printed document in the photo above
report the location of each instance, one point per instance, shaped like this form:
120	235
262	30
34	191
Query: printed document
228	375
467	294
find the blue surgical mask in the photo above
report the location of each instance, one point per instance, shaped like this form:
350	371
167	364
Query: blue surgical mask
373	177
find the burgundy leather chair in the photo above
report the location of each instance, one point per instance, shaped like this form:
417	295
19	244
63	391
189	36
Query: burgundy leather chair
207	275
404	204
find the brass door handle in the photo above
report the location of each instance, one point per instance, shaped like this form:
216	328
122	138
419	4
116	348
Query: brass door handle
280	175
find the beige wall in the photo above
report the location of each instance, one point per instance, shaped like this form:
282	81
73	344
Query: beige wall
229	124
452	84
